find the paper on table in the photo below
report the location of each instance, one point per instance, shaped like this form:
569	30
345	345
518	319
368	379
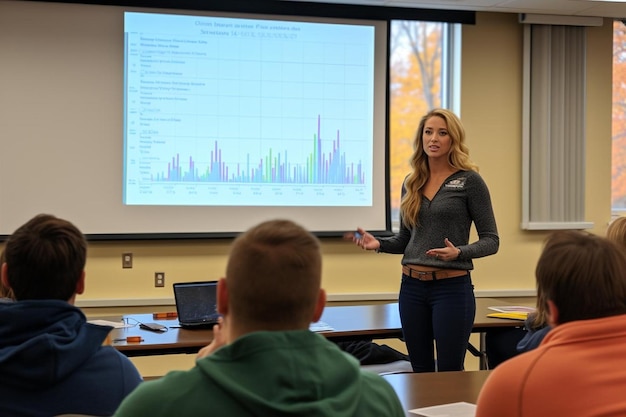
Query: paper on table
513	309
116	324
460	409
514	315
320	326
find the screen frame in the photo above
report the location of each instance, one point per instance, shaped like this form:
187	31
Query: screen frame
288	8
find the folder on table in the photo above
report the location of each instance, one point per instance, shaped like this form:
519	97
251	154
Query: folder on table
514	315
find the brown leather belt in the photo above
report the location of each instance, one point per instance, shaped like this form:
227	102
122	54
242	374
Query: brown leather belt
432	275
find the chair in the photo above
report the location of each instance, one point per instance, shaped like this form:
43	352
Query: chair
482	356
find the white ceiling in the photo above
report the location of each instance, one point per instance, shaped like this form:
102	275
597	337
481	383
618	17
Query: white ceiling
559	7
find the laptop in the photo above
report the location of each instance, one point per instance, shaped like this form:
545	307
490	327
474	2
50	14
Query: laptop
196	304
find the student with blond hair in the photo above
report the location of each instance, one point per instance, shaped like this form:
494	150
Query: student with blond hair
617	231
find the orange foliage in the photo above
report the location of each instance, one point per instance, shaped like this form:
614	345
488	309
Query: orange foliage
415	85
618	190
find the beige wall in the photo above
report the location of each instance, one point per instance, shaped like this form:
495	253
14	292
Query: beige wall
491	110
491	101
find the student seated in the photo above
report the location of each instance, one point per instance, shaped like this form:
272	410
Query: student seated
536	324
579	369
617	231
263	360
51	360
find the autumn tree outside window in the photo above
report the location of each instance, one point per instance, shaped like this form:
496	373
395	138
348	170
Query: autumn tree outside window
618	186
422	72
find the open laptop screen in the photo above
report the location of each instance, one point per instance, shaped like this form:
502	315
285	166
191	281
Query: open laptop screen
196	303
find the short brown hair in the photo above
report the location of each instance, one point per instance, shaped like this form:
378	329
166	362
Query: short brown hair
274	276
583	274
45	258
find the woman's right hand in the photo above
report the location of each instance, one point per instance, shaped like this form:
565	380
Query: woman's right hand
363	239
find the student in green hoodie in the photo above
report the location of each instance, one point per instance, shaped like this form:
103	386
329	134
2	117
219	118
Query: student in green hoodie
263	360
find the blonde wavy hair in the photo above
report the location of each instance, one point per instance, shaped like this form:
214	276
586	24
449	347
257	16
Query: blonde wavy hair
458	157
617	231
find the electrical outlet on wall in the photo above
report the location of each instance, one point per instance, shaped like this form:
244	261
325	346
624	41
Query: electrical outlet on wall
159	279
127	260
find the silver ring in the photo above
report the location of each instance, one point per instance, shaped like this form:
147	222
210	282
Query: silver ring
436	256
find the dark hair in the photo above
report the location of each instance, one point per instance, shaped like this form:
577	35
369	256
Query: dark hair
274	275
5	292
45	258
583	274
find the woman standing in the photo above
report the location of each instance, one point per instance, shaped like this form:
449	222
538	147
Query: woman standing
441	198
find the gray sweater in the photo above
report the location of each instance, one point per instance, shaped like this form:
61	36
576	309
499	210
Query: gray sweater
462	198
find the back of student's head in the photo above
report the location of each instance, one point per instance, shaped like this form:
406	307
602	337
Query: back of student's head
583	274
45	258
274	276
617	231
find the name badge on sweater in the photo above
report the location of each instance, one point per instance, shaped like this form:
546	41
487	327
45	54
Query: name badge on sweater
456	183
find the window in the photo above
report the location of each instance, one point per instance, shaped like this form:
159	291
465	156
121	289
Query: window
424	73
618	183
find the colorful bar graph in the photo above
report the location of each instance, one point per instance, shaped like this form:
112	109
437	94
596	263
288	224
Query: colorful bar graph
273	168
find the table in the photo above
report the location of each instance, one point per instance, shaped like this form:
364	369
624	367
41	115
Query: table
417	390
174	341
382	321
375	321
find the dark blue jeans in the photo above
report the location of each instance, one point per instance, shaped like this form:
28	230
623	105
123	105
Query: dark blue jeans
441	311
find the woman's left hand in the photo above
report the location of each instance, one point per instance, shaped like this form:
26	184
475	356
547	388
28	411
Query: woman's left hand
447	253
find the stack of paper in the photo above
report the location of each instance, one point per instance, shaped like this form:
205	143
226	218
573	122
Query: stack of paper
511	312
460	409
115	324
320	326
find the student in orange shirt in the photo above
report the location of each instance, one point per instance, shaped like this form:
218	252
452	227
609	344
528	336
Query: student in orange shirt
580	368
536	324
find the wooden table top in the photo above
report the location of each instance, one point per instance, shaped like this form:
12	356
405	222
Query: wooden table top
417	390
376	321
